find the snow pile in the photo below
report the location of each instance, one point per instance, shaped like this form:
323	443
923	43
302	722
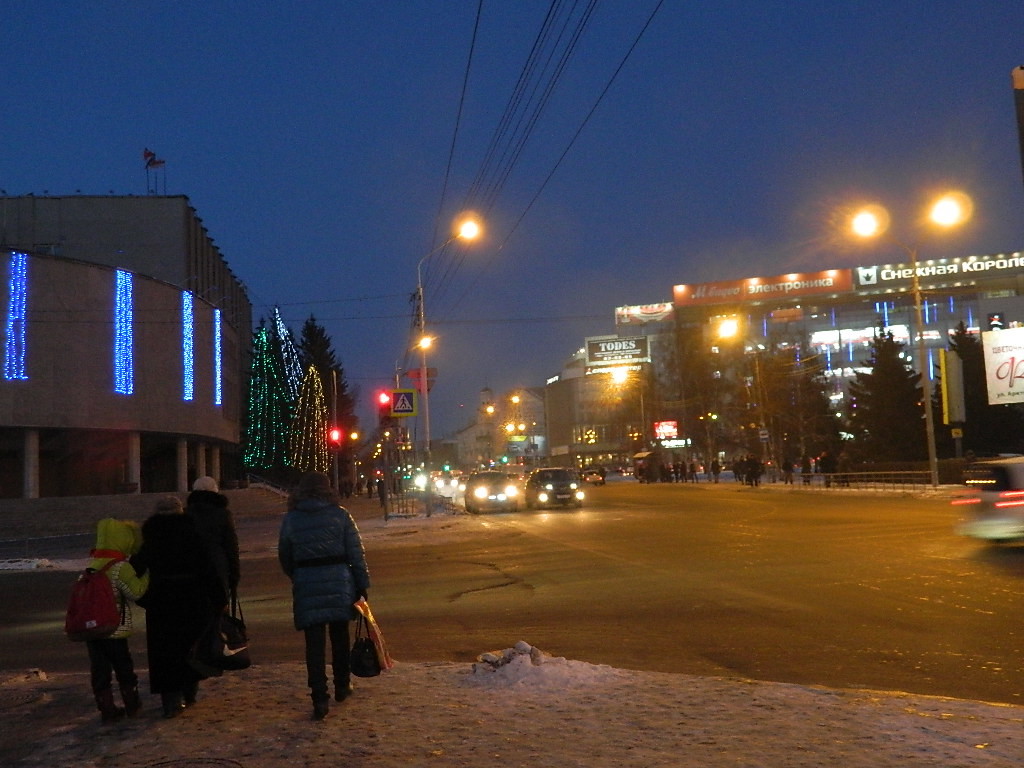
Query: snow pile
526	665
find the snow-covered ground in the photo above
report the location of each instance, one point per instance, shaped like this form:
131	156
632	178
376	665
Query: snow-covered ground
531	710
512	707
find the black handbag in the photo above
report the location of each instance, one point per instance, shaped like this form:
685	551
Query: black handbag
363	661
224	644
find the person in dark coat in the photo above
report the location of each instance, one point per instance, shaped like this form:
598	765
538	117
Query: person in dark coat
213	520
184	595
320	550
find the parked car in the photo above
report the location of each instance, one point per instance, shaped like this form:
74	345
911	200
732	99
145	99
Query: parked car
490	491
553	486
993	506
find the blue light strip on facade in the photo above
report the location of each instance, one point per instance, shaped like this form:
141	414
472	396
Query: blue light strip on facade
14	343
218	385
124	362
188	340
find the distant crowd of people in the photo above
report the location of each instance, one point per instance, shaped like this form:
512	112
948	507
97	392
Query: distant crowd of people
748	469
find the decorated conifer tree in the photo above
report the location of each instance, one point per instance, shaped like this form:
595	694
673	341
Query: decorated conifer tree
308	437
268	410
284	343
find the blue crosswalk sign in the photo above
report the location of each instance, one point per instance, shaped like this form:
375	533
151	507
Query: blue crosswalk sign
403	402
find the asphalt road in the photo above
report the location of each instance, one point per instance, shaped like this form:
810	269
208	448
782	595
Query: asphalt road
836	589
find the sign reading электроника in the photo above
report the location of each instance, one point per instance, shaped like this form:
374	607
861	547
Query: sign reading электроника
613	350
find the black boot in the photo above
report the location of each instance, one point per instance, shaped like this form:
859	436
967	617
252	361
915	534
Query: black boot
132	702
190	692
321	706
342	690
172	703
109	712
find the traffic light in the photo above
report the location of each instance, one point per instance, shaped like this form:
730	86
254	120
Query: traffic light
334	437
383	407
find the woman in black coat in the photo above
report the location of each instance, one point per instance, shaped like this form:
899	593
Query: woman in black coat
184	594
216	526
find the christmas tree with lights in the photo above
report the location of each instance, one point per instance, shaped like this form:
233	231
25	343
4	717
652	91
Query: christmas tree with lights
308	437
269	408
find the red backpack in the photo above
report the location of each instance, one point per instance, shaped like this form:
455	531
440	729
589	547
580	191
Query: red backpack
92	610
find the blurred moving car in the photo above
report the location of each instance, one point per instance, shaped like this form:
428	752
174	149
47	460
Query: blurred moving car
490	491
993	507
553	486
446	483
593	475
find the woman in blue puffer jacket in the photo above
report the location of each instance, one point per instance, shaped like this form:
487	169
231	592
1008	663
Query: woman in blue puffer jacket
321	552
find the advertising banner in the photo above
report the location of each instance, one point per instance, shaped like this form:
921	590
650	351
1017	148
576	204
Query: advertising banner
939	271
1004	365
644	313
764	288
605	350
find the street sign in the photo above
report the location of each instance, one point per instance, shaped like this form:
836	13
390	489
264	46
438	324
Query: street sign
763	434
403	402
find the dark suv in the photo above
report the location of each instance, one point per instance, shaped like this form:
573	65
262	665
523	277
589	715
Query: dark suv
553	486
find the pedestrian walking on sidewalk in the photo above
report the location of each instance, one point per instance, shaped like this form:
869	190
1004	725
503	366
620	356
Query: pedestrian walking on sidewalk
184	594
116	541
320	550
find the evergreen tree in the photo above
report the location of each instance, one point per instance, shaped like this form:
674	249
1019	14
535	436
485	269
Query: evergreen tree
268	409
886	413
316	349
308	436
284	343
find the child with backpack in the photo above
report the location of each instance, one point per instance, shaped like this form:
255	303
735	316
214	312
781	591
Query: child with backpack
116	541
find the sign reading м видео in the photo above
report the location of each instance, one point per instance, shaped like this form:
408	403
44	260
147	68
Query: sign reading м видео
612	350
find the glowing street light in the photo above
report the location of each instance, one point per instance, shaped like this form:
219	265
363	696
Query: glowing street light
467	228
948	211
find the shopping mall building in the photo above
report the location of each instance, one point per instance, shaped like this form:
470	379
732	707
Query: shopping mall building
837	312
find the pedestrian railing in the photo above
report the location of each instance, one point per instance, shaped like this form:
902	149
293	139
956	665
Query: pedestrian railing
878	481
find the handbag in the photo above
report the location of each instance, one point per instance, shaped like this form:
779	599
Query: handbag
362	660
223	645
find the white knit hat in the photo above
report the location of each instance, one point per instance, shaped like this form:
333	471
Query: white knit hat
205	483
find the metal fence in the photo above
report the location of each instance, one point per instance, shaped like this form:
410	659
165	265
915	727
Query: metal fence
878	481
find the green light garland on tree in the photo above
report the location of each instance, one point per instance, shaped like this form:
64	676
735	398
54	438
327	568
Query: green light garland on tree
308	439
269	408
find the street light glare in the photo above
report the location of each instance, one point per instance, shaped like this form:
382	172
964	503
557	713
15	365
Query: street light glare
619	375
951	209
469	229
870	222
426	342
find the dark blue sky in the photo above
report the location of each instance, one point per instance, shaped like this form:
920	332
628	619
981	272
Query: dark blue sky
313	139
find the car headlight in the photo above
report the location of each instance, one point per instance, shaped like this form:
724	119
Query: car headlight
573	486
579	495
480	492
542	497
462	487
420	481
511	491
549	487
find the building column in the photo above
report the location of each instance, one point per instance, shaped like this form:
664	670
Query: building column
30	464
135	461
201	460
182	465
215	464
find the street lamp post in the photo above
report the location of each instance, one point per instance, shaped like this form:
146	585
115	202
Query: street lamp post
948	211
469	229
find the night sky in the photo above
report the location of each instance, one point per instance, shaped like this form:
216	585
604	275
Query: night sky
327	146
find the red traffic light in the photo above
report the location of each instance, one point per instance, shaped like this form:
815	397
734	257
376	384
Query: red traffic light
334	435
384	398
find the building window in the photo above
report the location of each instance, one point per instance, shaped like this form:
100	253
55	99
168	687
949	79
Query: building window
218	385
14	347
188	340
124	363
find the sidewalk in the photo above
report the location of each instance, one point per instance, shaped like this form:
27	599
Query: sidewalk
559	713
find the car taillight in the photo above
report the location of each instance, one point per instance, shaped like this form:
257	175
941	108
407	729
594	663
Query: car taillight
1010	499
965	500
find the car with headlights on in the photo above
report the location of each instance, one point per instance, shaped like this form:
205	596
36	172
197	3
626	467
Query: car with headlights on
490	491
553	486
992	506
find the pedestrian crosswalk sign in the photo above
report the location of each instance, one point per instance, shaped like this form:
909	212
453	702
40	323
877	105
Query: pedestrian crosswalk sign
403	402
